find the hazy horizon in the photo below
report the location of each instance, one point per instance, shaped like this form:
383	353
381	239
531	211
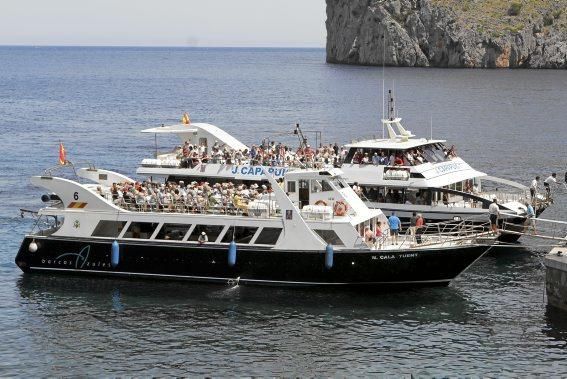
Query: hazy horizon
170	23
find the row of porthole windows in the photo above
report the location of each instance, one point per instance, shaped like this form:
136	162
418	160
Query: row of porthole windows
187	232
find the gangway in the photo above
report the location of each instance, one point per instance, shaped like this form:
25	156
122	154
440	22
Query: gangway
551	230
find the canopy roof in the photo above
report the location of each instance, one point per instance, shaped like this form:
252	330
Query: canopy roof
392	144
202	130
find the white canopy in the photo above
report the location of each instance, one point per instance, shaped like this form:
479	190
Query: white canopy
199	130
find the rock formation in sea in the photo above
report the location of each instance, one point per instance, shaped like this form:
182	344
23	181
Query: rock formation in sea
448	33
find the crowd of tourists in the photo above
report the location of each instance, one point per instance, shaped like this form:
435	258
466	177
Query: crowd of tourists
193	196
278	154
265	154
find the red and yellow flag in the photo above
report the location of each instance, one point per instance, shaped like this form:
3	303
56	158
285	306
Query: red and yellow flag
62	154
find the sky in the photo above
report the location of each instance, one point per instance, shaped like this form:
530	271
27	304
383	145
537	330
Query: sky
256	23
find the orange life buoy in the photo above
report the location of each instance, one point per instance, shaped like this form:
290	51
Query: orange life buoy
321	202
340	208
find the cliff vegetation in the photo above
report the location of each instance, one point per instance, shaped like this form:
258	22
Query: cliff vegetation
448	33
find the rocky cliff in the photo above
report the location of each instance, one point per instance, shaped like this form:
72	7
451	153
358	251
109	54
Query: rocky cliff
448	33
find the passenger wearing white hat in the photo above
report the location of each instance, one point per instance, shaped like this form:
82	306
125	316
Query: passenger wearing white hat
203	238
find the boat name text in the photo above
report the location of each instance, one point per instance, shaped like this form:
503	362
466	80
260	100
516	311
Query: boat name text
258	170
449	167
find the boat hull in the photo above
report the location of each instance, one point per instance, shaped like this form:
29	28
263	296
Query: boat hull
254	265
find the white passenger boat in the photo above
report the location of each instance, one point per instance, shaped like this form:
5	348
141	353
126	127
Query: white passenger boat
105	223
436	183
409	175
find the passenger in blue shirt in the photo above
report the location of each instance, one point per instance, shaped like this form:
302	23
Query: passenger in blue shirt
530	219
395	227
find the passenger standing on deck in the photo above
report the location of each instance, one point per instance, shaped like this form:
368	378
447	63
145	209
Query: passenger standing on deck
551	179
395	227
494	212
203	238
419	224
534	187
413	222
369	236
378	234
357	189
530	221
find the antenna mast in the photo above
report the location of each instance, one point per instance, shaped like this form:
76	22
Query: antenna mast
391	105
383	82
431	127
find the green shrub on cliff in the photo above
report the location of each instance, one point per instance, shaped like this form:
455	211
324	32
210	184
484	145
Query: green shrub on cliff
514	9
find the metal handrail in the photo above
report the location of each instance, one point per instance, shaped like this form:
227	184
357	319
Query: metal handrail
49	171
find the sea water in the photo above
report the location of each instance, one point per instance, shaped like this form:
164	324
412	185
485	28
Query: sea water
492	321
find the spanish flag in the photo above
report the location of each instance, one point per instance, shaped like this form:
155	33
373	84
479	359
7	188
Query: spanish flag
62	154
185	119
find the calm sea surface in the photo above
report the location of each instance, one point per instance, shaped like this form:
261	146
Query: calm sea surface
492	321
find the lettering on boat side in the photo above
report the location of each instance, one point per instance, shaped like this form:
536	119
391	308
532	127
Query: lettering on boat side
449	167
400	256
258	171
79	260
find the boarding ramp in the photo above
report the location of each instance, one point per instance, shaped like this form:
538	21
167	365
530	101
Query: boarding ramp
553	231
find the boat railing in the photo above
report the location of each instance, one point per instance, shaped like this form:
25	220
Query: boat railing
448	232
438	234
45	225
195	207
69	166
536	227
504	197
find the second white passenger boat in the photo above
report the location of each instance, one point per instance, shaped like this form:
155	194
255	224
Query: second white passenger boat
437	184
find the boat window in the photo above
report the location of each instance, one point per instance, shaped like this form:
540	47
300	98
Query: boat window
315	186
174	232
143	230
291	186
108	228
373	193
269	236
241	234
329	236
212	232
318	185
339	183
350	155
394	196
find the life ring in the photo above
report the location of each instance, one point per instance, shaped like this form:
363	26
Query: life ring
340	208
321	202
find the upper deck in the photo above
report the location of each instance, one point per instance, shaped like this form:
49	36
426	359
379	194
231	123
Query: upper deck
208	153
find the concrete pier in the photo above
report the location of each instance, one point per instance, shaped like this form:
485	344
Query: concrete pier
556	277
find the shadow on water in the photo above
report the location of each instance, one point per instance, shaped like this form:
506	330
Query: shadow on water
556	324
509	257
183	299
